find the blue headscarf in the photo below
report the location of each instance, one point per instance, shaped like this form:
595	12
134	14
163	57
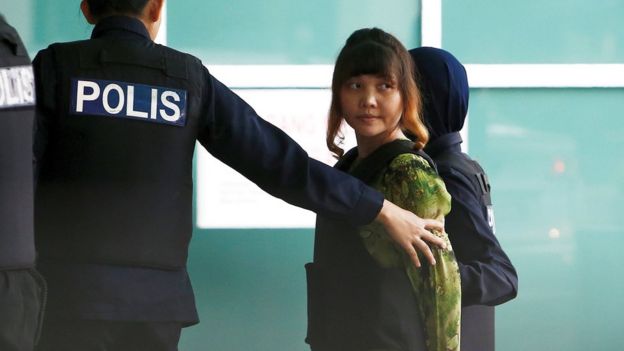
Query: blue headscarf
444	86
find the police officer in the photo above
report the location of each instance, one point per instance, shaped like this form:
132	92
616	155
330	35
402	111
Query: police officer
117	121
21	288
488	278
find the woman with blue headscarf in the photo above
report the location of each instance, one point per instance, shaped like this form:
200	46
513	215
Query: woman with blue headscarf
487	275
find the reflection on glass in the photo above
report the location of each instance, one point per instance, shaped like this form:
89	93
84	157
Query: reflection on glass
554	233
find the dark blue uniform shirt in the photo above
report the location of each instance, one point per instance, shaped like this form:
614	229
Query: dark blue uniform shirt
114	195
487	275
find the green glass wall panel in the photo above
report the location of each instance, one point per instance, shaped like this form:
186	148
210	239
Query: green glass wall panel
42	22
283	31
555	161
250	289
534	31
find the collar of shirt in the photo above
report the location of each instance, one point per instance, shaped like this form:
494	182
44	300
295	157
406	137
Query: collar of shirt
446	142
120	25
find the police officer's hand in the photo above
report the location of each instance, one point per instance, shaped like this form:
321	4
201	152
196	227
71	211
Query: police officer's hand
410	231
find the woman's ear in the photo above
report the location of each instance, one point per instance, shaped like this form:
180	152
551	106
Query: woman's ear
155	10
86	12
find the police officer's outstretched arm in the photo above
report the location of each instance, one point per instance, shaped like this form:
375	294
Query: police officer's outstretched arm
234	134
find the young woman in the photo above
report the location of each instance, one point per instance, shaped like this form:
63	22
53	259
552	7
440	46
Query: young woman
363	293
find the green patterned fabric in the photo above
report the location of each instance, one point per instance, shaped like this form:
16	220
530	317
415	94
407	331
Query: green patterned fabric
411	183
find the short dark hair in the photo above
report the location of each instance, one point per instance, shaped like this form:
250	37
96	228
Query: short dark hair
103	8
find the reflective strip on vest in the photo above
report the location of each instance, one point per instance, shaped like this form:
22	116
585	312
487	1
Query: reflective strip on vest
17	86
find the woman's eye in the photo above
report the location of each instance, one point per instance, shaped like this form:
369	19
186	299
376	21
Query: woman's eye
354	85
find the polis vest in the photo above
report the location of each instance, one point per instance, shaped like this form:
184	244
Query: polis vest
17	100
475	174
353	303
115	176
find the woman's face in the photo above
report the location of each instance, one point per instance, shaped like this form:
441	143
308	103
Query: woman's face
372	106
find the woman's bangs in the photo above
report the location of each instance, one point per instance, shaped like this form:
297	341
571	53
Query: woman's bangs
370	58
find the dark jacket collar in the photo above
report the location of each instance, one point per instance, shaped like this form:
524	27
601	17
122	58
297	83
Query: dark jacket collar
120	25
446	142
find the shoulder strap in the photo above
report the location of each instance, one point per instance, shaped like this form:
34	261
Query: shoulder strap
470	169
346	160
168	62
368	168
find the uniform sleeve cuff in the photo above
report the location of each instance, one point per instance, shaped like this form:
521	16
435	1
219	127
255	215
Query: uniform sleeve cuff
368	207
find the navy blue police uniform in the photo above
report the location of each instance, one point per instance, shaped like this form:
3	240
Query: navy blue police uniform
488	277
21	288
118	117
